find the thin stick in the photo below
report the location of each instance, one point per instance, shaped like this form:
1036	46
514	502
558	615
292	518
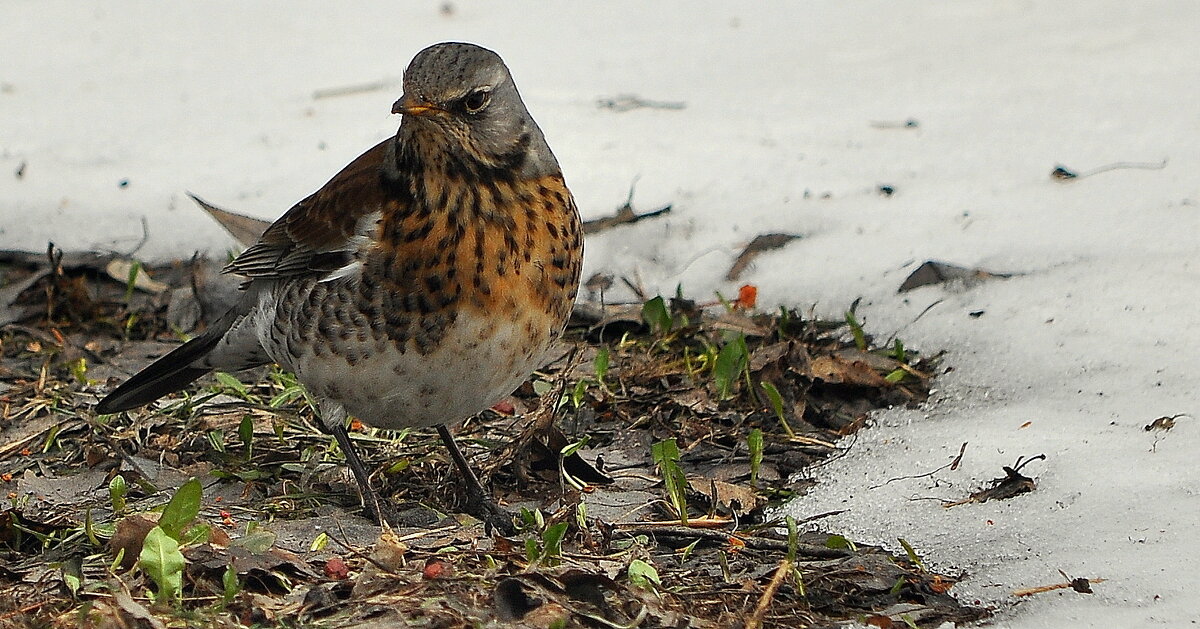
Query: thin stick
760	610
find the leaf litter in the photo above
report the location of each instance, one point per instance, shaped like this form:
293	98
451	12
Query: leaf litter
644	463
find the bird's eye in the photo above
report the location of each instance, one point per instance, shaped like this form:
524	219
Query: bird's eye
477	100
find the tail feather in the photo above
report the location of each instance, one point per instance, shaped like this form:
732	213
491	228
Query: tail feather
166	375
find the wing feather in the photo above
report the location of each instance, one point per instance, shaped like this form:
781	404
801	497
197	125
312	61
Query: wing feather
323	232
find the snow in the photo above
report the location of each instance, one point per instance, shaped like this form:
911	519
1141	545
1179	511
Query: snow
1091	341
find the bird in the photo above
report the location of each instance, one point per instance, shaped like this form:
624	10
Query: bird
421	284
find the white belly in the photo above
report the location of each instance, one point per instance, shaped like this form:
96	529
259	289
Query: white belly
478	361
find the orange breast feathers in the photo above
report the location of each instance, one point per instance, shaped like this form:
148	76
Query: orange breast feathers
493	247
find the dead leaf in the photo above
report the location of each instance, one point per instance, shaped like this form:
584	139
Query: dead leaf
761	243
129	536
1162	424
1013	484
934	272
120	270
623	216
136	610
736	498
834	369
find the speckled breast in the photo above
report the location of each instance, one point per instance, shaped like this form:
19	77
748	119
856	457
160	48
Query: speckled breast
449	312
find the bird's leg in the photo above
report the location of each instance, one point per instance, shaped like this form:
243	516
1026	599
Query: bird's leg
333	418
479	504
366	492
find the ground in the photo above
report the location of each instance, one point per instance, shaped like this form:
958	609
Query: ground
645	463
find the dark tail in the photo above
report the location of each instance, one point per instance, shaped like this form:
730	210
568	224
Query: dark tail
165	375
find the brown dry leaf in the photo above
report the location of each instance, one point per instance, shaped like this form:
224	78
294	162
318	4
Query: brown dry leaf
935	272
761	243
738	321
120	270
624	215
129	536
1013	484
836	370
1162	424
135	610
736	498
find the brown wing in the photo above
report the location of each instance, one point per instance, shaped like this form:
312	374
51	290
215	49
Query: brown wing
319	234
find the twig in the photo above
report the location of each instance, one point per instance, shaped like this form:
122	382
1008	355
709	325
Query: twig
693	523
23	610
756	619
1079	584
624	214
637	290
1062	173
952	465
755	543
141	243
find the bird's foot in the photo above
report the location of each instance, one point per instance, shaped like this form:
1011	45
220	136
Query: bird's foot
403	515
483	507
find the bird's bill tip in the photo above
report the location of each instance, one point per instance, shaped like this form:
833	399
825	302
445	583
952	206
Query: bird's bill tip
412	106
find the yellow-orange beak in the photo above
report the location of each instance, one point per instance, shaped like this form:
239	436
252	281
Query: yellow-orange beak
413	106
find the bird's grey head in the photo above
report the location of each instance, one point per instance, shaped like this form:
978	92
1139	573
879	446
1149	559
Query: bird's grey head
461	100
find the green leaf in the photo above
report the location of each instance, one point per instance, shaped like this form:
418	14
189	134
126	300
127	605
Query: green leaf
755	443
531	549
776	401
666	456
286	396
198	534
72	574
860	338
578	392
256	540
581	515
79	369
655	314
117	561
687	551
230	585
135	267
898	352
730	363
117	490
542	387
912	554
774	398
162	561
572	448
552	542
246	433
793	538
230	383
838	541
895	376
643	575
181	510
600	364
216	439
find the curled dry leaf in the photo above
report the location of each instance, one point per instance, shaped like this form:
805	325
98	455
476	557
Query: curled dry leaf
761	243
